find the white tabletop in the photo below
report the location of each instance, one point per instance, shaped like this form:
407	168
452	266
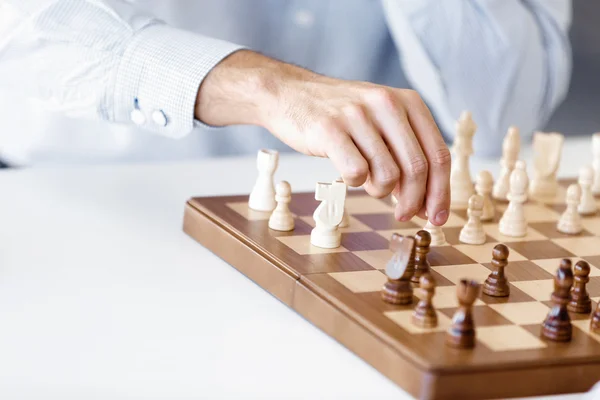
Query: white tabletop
103	296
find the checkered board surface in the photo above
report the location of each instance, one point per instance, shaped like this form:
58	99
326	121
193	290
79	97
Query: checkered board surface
350	279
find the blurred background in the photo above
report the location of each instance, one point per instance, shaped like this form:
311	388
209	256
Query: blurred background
580	113
22	129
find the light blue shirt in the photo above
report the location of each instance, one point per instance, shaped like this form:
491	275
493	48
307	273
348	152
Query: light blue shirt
72	69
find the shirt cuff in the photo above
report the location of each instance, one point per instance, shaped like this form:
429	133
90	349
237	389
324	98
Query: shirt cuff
159	76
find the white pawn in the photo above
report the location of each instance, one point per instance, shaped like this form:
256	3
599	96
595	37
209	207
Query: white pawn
511	148
570	221
282	219
587	205
345	219
472	232
437	234
328	215
262	197
513	222
483	187
596	162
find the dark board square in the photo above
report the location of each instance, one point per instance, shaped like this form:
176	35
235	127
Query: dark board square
303	204
300	228
357	241
593	286
373	299
539	249
482	315
447	255
516	296
522	271
549	230
383	221
331	262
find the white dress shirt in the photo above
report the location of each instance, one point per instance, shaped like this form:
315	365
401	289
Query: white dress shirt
116	80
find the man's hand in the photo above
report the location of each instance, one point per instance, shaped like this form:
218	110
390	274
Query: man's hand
380	137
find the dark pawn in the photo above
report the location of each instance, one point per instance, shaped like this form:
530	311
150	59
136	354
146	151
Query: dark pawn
400	269
557	325
595	322
580	299
422	243
425	315
462	332
496	283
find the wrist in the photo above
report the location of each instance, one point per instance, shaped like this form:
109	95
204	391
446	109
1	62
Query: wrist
243	89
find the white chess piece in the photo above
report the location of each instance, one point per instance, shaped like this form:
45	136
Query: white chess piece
437	234
345	219
472	232
548	149
262	197
328	215
511	147
461	185
483	187
513	222
587	205
570	221
596	162
282	219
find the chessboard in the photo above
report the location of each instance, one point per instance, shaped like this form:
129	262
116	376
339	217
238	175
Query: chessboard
339	291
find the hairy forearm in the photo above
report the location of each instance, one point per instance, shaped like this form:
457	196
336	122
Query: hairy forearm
244	89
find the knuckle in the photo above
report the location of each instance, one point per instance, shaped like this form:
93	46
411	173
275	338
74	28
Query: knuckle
383	96
390	174
411	95
442	158
355	112
356	174
417	167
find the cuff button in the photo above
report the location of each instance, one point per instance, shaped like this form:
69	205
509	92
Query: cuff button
138	117
159	118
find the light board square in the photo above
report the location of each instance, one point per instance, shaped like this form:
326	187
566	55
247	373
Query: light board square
508	338
526	313
455	273
582	246
353	226
361	281
493	231
454	220
404	319
551	265
248	213
378	259
540	290
540	213
445	297
483	253
301	245
366	205
404	232
584	325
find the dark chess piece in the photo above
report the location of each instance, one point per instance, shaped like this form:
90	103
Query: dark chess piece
557	325
462	332
422	243
425	315
595	321
496	284
580	299
399	270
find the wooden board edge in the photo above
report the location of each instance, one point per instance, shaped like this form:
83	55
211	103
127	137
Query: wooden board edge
432	384
249	262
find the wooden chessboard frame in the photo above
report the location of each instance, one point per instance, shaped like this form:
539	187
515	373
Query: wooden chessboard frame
419	363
